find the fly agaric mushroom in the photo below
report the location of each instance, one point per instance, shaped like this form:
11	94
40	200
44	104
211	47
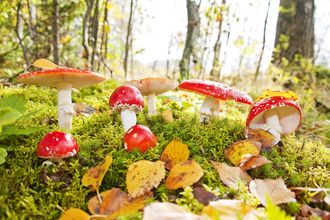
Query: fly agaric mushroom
128	101
63	79
152	87
275	114
57	145
140	137
215	93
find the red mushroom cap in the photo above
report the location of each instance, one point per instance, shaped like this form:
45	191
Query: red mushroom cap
56	145
126	96
50	77
216	90
288	111
140	137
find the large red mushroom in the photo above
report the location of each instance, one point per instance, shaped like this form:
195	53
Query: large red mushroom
275	114
127	101
215	94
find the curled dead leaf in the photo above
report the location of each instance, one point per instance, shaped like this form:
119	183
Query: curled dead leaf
231	176
204	196
252	162
174	153
242	149
183	174
167	115
144	175
264	137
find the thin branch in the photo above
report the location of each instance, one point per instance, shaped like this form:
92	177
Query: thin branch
18	25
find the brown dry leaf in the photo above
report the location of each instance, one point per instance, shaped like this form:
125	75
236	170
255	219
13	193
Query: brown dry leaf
316	193
231	176
231	209
175	152
132	207
266	139
93	178
113	202
144	175
84	109
276	189
204	196
242	149
43	63
94	203
183	174
307	211
74	214
168	211
167	115
252	162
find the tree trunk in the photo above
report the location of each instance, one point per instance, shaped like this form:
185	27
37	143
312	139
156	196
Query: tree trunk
56	31
217	47
296	24
127	46
95	27
86	20
192	36
19	30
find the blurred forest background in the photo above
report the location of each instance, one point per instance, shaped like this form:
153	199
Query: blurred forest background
254	45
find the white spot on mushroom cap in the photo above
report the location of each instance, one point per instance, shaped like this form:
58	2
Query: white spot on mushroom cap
135	135
125	145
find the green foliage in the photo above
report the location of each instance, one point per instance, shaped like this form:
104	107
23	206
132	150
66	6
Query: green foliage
274	213
188	201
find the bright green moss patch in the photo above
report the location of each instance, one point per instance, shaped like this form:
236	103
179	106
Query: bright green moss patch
31	189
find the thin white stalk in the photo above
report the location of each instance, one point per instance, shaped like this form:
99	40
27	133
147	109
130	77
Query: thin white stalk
210	108
128	118
64	106
273	123
151	104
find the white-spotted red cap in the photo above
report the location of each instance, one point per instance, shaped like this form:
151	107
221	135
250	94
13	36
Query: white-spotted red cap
216	90
156	85
140	137
288	111
126	96
57	145
50	77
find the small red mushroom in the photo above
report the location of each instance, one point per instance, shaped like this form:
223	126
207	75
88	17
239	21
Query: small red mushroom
140	137
215	93
128	101
57	145
275	114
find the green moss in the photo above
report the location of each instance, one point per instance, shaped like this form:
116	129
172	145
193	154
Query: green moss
24	194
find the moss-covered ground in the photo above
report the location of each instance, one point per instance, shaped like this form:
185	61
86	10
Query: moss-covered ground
26	194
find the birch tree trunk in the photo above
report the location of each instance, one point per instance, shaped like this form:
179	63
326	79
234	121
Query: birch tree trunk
56	31
127	46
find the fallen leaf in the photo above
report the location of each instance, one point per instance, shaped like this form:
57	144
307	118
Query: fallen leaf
83	109
175	152
252	162
93	178
113	202
242	149
168	211
276	190
231	209
183	174
167	115
43	63
316	194
144	175
132	207
269	93
74	214
264	137
204	196
231	176
94	204
307	211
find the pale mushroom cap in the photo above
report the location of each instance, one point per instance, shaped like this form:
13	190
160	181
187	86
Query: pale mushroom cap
50	77
288	111
155	85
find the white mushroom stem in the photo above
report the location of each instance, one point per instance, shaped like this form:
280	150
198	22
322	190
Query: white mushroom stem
128	117
151	100
64	106
210	108
273	123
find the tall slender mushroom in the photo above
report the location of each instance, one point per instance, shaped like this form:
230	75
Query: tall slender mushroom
152	87
215	94
63	79
128	101
275	114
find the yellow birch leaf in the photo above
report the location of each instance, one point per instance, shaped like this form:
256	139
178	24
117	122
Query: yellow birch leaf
144	175
240	150
167	115
269	93
43	63
175	152
93	178
183	174
74	214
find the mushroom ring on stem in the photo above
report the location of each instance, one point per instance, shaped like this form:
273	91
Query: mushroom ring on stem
128	101
152	87
275	114
215	94
63	79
